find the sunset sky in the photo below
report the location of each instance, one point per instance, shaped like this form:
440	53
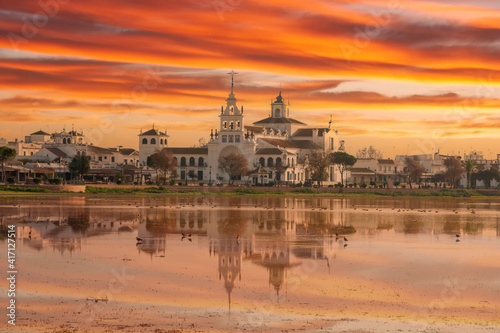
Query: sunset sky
405	76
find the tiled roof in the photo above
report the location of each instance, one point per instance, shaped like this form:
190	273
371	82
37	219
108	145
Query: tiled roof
269	151
99	150
187	150
300	144
279	142
309	132
271	120
361	170
153	132
40	132
305	144
254	129
385	161
58	152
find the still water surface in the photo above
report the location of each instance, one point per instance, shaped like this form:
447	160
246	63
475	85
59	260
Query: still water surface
256	264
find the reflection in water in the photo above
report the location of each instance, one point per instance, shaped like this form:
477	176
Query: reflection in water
273	233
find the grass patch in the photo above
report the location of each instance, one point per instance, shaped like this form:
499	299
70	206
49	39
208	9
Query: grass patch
305	191
120	190
8	189
248	191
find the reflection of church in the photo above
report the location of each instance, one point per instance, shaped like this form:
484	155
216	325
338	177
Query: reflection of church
277	147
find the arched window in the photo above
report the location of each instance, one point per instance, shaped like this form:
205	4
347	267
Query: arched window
64	141
153	141
183	161
191	161
200	161
144	141
161	141
270	162
278	161
68	141
288	161
293	162
262	161
277	112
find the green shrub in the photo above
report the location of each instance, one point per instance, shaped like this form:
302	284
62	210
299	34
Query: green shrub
11	180
37	180
363	185
55	181
119	182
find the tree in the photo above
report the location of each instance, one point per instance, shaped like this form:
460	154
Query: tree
162	160
235	165
80	164
319	163
414	169
343	161
487	176
454	170
470	167
191	174
279	170
6	154
369	152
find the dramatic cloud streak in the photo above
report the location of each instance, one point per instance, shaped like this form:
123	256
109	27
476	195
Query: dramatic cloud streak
165	62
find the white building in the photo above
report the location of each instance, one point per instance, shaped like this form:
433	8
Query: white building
277	139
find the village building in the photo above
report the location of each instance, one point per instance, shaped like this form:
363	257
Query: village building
277	148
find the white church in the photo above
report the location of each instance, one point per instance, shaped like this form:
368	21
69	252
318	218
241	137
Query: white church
278	139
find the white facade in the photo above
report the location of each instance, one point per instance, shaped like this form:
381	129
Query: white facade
278	138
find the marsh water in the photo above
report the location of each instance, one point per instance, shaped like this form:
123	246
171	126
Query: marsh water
255	263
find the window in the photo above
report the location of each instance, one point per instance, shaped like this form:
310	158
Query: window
183	173
105	157
224	124
200	175
24	153
112	158
191	161
144	141
277	112
64	141
331	143
100	158
278	160
262	161
293	162
200	162
161	141
231	138
224	138
183	162
231	125
236	138
288	161
125	161
69	141
231	110
238	124
270	162
153	141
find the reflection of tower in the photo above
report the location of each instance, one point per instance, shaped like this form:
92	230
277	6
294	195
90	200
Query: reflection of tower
229	262
151	243
276	258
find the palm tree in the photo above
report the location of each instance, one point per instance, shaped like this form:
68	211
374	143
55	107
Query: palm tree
470	167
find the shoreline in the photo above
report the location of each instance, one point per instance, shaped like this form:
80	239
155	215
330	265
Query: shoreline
154	190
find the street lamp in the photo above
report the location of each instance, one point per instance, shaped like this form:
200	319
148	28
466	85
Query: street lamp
210	173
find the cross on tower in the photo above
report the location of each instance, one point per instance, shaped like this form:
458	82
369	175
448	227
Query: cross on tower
232	73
